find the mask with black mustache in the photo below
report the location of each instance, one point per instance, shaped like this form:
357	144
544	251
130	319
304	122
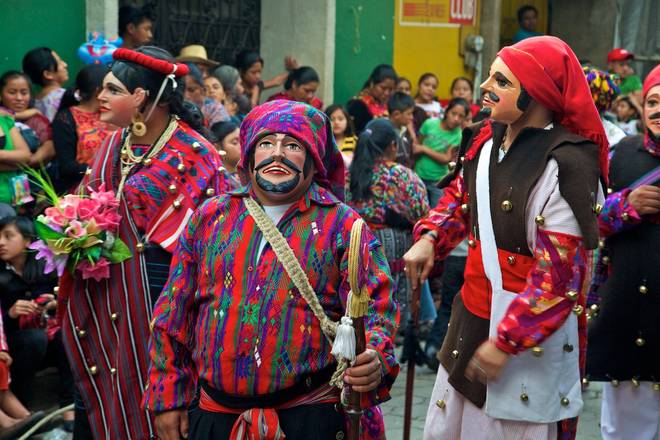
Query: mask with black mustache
281	188
655	137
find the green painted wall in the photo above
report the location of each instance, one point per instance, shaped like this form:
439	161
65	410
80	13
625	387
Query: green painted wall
364	38
58	24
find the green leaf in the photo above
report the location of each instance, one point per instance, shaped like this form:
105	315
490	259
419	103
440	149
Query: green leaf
94	252
119	252
45	232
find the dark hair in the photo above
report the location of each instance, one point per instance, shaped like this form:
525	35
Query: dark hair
400	101
33	268
302	75
374	139
222	129
195	73
402	79
228	77
246	58
8	76
134	75
350	128
133	15
456	102
88	82
380	74
36	62
461	78
426	76
526	8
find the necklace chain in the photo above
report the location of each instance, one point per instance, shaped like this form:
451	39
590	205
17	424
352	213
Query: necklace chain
128	158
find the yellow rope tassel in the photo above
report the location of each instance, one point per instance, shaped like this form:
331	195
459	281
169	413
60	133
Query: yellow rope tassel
359	305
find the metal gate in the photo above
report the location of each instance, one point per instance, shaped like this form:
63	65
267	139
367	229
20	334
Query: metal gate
224	27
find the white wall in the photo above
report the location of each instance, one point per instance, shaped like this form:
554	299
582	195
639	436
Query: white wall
304	29
101	16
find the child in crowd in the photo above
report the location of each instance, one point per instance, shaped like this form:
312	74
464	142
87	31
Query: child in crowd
28	307
77	129
301	85
343	130
15	97
462	87
226	140
438	140
14	153
425	98
212	110
400	108
403	85
213	89
47	70
628	113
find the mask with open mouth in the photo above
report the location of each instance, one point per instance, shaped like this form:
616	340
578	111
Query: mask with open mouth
282	187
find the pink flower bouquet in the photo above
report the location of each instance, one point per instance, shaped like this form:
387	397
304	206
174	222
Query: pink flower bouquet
79	232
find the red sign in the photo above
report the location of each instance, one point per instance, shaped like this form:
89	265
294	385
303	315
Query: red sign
462	11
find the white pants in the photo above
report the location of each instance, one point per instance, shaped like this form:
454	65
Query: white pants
461	419
629	412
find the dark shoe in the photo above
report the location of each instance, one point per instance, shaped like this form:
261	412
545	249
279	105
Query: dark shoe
21	427
431	352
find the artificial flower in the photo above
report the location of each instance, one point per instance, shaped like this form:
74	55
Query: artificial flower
99	270
53	262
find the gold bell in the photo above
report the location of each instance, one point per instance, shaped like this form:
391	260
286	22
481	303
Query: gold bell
640	342
176	204
462	159
565	401
56	290
601	244
210	192
451	166
465	208
147	162
93	370
625	217
507	206
114	316
196	146
124	154
568	348
511	260
181	167
598	208
572	295
540	220
595	308
537	351
524	397
610	191
656	386
81	333
472	243
606	260
88	171
139	247
221	169
643	289
615	383
113	371
578	309
172	188
441	404
454	354
635	382
585	382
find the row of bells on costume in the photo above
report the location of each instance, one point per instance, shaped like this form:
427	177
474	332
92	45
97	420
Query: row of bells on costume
82	333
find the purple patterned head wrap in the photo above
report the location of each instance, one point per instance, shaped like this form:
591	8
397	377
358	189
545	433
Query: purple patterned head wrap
303	122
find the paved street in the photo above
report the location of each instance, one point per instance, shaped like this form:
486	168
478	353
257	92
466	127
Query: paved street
424	379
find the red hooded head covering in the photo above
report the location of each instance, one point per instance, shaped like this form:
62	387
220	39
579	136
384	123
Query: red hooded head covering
652	79
550	72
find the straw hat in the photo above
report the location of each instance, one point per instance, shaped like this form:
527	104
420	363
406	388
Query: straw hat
196	53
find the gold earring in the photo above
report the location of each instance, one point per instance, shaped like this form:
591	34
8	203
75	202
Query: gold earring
138	128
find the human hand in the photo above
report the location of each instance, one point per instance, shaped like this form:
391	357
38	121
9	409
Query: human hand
22	308
419	261
172	424
418	148
365	374
290	63
487	363
645	199
47	301
4	357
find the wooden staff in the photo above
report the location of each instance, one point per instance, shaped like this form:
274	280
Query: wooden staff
353	408
411	352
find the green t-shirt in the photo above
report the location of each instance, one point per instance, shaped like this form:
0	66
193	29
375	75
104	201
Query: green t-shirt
6	191
630	84
438	139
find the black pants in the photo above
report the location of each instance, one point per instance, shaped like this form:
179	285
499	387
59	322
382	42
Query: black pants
452	281
31	351
305	422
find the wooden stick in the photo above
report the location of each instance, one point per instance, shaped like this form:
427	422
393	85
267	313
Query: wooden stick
354	409
413	323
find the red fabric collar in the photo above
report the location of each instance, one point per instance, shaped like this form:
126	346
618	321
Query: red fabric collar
551	73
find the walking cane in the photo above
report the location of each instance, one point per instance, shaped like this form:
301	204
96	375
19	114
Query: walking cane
412	354
353	408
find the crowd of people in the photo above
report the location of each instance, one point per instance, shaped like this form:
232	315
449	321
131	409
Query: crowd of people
204	316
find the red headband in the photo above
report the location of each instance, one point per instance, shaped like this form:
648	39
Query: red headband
155	64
